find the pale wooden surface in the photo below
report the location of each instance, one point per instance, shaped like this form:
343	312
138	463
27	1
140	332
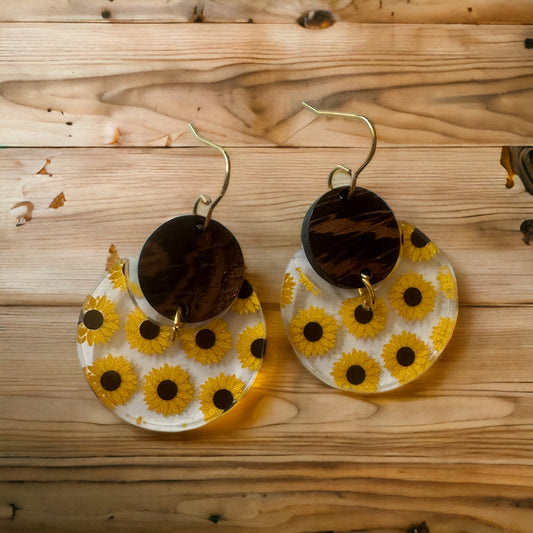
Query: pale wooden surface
421	84
271	11
454	449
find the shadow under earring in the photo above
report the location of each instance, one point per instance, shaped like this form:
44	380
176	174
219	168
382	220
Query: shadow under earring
368	303
173	340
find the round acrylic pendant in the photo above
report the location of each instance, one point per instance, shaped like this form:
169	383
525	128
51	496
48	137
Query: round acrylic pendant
136	370
352	348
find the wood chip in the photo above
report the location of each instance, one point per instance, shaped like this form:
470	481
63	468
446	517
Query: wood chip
58	201
27	216
116	137
43	170
112	258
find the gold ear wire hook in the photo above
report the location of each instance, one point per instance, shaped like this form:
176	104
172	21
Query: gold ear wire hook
341	168
204	198
177	324
370	299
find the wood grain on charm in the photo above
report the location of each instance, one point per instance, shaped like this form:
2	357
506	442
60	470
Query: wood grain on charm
197	270
344	236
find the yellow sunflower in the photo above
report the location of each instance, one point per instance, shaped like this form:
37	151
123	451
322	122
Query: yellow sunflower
287	290
145	335
413	296
112	379
405	356
247	300
313	332
117	277
363	322
206	344
416	246
251	347
168	390
356	371
219	394
307	283
98	320
442	333
446	282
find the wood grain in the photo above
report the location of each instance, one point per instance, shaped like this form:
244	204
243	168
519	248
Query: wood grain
290	446
273	11
457	196
139	85
95	98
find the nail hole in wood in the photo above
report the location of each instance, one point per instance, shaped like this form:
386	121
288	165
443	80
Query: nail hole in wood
198	14
317	20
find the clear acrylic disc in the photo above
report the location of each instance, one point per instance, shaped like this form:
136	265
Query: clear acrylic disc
136	370
348	347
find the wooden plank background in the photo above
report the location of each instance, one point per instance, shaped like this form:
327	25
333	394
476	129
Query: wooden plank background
95	98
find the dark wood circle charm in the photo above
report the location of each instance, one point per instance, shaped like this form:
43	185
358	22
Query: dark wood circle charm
343	236
182	265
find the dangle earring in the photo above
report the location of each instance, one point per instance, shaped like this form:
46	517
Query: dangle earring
368	303
173	340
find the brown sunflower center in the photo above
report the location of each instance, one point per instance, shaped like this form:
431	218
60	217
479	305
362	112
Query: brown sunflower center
313	331
405	356
93	319
205	339
149	330
110	380
412	296
167	390
355	374
223	399
362	315
258	348
246	290
418	239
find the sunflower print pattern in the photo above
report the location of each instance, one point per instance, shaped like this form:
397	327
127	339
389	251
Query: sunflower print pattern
287	290
356	371
313	332
413	296
135	369
415	245
219	394
98	320
145	335
112	379
368	351
246	301
168	390
405	356
117	277
206	344
307	283
447	282
361	321
442	333
251	346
